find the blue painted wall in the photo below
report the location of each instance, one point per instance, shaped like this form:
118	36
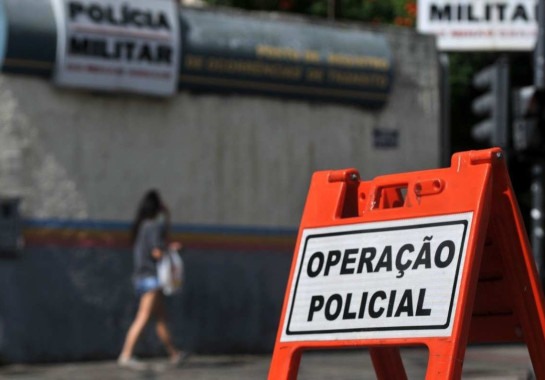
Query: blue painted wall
76	304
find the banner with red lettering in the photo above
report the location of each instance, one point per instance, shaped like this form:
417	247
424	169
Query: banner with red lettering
117	45
482	25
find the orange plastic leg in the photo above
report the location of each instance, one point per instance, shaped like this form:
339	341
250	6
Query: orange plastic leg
445	361
285	364
388	363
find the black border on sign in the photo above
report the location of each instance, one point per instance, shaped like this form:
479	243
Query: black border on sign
390	328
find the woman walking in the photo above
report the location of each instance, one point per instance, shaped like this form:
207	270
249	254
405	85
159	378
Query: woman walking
149	239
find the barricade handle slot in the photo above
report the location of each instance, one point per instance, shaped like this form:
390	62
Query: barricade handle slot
429	187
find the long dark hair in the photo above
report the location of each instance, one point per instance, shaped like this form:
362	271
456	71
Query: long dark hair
150	206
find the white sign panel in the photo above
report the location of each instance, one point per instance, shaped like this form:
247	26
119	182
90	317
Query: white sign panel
396	279
118	45
460	25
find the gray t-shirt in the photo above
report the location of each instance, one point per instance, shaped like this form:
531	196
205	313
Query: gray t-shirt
150	236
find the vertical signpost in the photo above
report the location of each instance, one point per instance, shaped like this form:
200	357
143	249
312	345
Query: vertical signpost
539	48
537	211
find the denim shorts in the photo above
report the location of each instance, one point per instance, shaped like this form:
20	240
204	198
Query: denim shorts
146	284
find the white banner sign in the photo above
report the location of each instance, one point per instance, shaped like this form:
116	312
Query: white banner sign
460	25
118	45
397	279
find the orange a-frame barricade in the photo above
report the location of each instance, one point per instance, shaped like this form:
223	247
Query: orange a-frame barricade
437	258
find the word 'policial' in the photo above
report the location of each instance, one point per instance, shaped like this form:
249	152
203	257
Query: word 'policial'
379	304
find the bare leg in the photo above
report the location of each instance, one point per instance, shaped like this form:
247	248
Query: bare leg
145	310
162	329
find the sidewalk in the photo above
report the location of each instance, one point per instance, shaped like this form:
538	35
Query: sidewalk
482	362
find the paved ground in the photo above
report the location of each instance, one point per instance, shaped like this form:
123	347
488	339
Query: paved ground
483	363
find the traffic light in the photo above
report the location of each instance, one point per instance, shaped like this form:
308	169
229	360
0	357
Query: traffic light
526	134
494	103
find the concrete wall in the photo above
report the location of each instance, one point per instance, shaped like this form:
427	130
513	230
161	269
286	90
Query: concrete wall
219	160
234	160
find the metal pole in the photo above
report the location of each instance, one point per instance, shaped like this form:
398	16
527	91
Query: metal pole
445	109
539	50
331	8
501	130
536	215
